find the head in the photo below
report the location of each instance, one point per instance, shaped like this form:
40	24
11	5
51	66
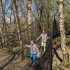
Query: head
44	31
32	42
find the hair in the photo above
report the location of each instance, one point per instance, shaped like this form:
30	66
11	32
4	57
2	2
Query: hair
33	41
44	29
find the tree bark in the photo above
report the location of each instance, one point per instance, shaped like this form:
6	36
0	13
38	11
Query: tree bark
62	32
29	20
18	28
4	28
3	18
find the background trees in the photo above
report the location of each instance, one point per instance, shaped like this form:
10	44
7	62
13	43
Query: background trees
15	16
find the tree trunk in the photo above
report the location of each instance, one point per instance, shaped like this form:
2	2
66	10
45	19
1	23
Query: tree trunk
29	20
48	18
4	28
18	28
3	18
62	32
10	18
14	17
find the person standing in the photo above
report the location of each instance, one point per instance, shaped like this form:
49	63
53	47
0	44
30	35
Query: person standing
44	38
33	51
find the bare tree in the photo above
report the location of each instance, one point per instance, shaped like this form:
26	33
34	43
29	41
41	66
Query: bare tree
18	26
62	31
4	28
3	17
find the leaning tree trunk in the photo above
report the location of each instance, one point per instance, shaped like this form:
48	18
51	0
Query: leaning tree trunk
4	28
3	17
18	28
62	32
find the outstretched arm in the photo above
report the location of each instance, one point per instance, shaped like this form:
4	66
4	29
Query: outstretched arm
48	37
27	45
38	37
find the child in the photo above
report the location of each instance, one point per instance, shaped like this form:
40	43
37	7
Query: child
44	38
33	51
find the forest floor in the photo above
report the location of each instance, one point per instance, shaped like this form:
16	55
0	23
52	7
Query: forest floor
16	64
57	65
3	54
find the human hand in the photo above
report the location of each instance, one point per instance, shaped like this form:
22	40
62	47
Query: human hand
48	37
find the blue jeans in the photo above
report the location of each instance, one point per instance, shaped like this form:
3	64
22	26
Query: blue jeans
34	58
31	56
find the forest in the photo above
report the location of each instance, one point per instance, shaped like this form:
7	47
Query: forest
23	22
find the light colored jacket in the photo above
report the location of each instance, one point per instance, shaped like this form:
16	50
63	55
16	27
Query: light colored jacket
43	37
33	49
